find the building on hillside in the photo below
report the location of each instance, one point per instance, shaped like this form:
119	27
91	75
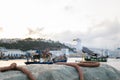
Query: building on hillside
9	40
12	53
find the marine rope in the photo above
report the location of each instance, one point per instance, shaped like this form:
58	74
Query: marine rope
82	64
77	67
14	66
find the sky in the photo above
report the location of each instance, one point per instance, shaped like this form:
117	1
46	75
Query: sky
95	22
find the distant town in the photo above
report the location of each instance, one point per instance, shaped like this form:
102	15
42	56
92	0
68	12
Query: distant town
16	48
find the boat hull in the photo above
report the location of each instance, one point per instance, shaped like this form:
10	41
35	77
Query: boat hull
27	63
38	63
96	59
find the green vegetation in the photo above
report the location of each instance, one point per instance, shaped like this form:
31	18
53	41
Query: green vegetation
29	43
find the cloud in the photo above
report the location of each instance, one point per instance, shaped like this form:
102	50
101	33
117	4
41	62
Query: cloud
102	35
106	29
68	7
67	36
34	31
37	33
1	29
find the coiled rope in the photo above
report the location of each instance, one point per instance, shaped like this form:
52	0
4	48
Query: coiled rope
14	66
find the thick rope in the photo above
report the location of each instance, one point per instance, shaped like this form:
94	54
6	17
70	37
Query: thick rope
77	67
88	64
83	64
14	66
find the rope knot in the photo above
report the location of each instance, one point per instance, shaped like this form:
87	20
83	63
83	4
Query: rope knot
13	66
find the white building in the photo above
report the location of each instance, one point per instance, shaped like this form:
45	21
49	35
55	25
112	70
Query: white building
12	52
9	40
60	52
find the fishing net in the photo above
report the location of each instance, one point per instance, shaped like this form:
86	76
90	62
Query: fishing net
104	72
63	72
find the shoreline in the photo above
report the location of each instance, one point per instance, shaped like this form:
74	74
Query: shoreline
20	62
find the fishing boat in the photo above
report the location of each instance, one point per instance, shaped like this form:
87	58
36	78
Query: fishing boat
38	63
93	56
52	62
98	59
46	57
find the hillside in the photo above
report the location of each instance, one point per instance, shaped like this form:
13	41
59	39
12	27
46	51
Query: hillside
29	43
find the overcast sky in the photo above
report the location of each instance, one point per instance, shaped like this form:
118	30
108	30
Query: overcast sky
95	22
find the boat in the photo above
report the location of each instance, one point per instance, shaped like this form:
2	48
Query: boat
27	63
44	59
93	56
98	59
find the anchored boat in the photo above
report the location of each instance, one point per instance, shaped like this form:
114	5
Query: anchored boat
44	57
93	56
